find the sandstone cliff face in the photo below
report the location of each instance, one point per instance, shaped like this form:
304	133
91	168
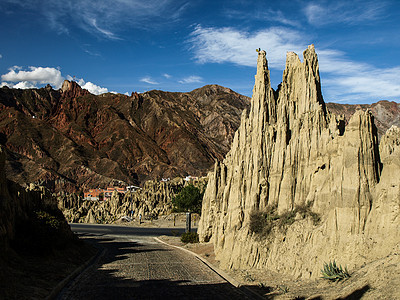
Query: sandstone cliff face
291	155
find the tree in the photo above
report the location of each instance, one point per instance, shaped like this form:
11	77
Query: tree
189	198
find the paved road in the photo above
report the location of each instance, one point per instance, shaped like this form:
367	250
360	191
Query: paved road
124	230
135	266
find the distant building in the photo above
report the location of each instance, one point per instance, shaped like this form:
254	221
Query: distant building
106	194
190	178
109	191
94	195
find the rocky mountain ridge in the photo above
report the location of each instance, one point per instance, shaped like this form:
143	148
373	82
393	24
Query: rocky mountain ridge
299	186
68	138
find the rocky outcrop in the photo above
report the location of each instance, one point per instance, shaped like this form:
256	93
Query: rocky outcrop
386	113
69	139
317	184
152	201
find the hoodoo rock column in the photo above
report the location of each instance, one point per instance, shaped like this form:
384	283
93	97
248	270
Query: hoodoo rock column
291	156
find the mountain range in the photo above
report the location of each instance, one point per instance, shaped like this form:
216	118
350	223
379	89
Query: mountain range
71	139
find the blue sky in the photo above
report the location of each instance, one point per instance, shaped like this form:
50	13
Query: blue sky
176	45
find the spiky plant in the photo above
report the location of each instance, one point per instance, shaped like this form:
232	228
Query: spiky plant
334	272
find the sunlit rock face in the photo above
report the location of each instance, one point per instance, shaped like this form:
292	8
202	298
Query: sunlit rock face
290	154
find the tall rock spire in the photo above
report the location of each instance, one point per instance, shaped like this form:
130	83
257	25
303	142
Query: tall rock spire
289	154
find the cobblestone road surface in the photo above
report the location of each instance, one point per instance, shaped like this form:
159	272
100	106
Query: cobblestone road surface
141	268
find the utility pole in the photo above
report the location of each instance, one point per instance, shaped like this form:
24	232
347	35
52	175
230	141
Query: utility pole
188	221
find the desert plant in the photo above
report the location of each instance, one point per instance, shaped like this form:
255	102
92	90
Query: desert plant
287	218
190	237
304	210
334	272
261	222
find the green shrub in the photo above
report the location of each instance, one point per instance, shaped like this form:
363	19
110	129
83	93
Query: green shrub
189	198
333	272
190	237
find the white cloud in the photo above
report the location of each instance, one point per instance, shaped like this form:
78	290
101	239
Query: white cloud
343	79
220	45
105	32
1	56
102	17
167	75
148	79
91	87
40	76
35	75
94	89
352	81
191	79
266	15
348	12
24	85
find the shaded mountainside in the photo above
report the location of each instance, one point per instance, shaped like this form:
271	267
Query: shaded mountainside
37	246
386	113
71	138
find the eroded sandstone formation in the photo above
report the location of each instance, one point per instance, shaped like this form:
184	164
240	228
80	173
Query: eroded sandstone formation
386	113
152	201
335	194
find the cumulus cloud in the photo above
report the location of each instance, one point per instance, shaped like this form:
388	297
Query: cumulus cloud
167	75
91	87
191	79
24	85
94	89
148	79
34	76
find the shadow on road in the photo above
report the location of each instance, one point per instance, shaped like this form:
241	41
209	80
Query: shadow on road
106	279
